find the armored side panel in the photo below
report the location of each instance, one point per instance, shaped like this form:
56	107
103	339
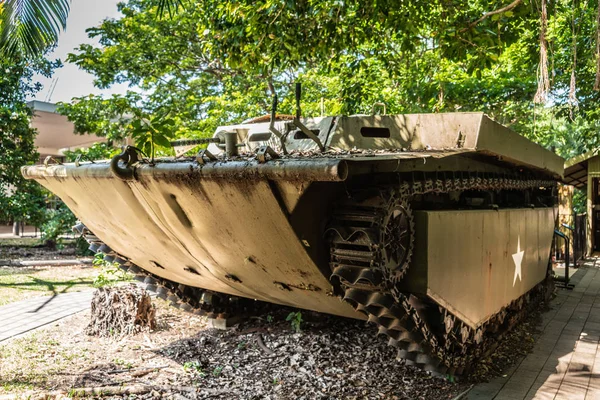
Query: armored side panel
475	262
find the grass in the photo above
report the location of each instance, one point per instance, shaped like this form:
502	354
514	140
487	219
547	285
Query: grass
30	361
19	283
22	356
60	356
20	242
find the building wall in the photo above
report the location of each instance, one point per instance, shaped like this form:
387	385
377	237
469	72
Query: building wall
56	132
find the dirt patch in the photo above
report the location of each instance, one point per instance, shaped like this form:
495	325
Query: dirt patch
267	356
34	249
263	358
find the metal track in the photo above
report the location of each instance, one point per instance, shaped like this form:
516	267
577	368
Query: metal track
191	299
367	261
426	334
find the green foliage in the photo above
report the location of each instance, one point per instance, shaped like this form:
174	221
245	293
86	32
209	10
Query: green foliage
146	133
97	151
20	200
579	201
59	221
295	319
123	363
30	27
172	6
82	247
193	366
110	273
217	371
214	63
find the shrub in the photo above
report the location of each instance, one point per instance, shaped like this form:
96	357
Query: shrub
59	221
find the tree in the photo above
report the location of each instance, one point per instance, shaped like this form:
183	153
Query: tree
30	27
20	200
217	62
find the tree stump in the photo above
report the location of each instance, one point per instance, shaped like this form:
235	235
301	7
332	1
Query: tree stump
119	311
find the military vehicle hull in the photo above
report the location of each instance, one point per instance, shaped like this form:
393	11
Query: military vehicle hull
439	241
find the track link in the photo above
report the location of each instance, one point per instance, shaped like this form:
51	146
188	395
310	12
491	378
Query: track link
366	269
191	299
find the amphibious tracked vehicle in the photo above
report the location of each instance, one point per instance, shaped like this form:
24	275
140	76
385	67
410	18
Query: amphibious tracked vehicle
435	227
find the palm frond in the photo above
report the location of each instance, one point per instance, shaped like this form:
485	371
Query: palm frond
30	26
172	6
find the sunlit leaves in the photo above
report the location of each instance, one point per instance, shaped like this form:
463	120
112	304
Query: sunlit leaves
20	200
29	27
210	63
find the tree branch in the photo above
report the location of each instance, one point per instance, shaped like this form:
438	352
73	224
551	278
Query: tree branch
597	81
489	14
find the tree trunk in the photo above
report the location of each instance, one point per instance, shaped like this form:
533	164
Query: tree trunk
119	311
16	228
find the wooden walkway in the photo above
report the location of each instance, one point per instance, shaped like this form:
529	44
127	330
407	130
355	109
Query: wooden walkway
565	363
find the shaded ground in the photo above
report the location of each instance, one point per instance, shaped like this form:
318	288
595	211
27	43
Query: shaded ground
18	283
33	249
330	358
265	357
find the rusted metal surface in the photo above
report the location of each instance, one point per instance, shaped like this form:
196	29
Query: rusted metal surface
306	226
308	170
478	261
173	224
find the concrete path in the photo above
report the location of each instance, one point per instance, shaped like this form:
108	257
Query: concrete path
47	263
565	363
23	316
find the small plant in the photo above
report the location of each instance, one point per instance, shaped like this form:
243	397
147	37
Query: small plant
193	366
123	363
242	345
217	371
110	273
295	319
81	247
269	318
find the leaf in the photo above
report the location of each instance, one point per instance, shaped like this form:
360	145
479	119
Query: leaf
172	7
161	140
29	27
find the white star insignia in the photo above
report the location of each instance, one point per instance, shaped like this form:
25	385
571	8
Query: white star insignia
518	259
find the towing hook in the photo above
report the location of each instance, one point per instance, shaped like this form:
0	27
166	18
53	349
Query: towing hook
129	156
